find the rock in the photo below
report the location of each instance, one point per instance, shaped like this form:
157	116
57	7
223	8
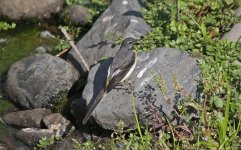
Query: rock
70	141
159	64
57	122
27	118
57	126
234	34
121	19
46	34
3	146
238	11
30	9
75	15
11	143
31	136
33	82
2	41
78	106
42	49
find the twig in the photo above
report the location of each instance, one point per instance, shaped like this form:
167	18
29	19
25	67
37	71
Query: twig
74	47
62	52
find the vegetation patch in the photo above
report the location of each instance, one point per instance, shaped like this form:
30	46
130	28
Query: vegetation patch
195	27
6	26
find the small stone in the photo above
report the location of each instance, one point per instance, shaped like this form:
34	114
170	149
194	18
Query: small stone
3	40
234	34
57	123
75	15
42	49
27	118
31	136
46	34
3	146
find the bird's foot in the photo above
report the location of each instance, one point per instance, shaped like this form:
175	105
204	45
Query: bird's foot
125	85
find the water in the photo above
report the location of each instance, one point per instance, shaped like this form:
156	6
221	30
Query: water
16	44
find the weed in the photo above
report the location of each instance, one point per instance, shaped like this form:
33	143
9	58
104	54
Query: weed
6	26
46	142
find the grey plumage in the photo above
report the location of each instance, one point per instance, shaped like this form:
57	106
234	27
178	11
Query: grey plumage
122	66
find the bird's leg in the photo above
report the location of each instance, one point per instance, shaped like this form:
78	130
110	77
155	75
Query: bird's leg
129	85
121	85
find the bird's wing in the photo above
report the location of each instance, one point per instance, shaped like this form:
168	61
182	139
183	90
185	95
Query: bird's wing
118	74
92	106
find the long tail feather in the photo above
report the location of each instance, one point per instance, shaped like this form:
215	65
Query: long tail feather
92	106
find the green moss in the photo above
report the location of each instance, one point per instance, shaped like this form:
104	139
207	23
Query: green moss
60	102
20	43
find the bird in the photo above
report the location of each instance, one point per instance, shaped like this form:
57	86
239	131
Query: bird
123	64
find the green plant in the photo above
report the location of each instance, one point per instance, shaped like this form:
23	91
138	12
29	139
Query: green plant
62	45
61	102
46	142
6	26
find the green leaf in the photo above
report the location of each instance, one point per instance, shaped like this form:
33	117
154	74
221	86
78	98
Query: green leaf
218	102
203	29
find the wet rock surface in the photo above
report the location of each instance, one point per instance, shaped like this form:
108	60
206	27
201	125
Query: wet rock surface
121	19
75	15
30	9
166	65
27	118
34	81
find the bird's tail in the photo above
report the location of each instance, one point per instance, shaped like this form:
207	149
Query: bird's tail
91	107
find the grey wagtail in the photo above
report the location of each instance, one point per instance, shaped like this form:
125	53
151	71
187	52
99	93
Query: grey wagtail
122	66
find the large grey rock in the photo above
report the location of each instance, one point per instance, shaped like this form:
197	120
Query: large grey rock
75	15
33	82
161	63
27	118
121	19
30	9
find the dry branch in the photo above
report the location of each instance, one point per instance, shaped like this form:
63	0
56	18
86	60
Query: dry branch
74	47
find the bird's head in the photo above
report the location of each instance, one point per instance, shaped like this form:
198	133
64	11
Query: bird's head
128	42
